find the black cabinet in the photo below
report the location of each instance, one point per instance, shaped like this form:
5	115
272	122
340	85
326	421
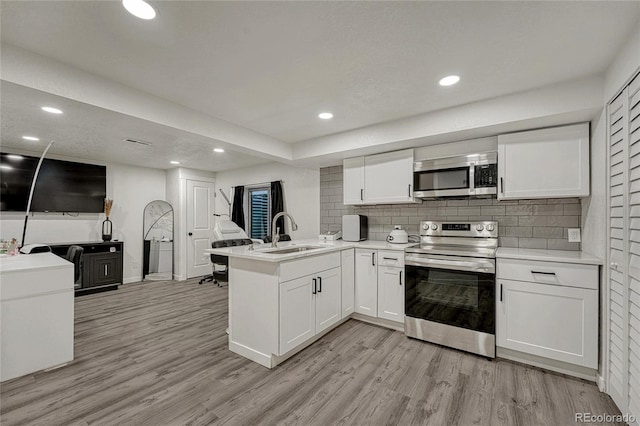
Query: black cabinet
101	263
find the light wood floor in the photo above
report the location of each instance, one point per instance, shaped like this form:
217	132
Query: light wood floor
156	354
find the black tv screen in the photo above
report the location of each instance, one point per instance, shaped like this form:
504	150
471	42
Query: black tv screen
62	186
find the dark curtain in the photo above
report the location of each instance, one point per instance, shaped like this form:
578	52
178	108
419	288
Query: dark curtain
237	214
277	205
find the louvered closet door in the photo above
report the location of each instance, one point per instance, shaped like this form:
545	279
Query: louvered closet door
633	106
617	274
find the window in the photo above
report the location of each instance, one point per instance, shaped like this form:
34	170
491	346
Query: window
259	212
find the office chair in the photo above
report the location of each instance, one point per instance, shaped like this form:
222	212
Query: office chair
74	255
221	262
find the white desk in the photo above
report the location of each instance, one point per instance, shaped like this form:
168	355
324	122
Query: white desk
36	313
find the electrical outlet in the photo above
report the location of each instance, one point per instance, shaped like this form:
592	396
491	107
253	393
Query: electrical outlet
574	235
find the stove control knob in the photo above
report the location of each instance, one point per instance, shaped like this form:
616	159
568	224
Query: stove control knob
480	227
425	226
490	228
434	226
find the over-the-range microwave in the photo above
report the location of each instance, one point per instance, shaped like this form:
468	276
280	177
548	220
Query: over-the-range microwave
460	176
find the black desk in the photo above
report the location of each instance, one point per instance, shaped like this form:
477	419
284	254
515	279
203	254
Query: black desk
101	262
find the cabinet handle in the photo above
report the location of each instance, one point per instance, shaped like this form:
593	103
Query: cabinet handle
543	273
319	284
400	280
105	271
315	283
373	259
391	258
501	186
361	194
409	190
501	292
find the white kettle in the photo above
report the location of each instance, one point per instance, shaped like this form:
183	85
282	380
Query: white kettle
398	236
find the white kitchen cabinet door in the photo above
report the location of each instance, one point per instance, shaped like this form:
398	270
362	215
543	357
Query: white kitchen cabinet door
546	163
388	177
550	321
348	282
353	176
391	293
366	295
297	313
328	299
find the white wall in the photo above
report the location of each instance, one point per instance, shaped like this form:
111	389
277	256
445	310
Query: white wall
131	188
301	192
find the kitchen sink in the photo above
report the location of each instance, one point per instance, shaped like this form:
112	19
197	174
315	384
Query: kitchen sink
291	249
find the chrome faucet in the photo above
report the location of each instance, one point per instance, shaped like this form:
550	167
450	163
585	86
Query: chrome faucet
275	232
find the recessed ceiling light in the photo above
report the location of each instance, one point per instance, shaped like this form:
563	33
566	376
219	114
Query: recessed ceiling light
325	115
449	80
174	162
30	138
139	8
218	150
52	110
15	157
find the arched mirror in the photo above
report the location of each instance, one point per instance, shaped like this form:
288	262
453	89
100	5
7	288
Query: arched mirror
157	241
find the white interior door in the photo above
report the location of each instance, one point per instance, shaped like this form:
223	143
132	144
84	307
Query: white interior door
199	226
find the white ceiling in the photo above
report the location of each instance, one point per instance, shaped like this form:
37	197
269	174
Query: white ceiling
273	66
87	132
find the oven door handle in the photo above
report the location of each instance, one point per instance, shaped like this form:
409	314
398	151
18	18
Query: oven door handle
456	265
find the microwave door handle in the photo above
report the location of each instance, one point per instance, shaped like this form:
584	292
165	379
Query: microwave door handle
472	179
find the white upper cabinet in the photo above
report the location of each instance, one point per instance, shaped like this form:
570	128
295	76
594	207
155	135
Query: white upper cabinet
379	179
546	163
353	175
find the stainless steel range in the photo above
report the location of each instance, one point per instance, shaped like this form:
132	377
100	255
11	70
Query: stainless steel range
450	286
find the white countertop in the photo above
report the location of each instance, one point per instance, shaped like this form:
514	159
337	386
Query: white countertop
546	255
261	252
21	262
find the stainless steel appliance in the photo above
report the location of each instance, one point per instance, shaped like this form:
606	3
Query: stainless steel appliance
466	175
450	286
355	227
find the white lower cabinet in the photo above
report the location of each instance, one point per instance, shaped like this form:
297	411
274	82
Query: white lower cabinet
554	314
328	299
391	293
308	306
297	312
348	281
366	282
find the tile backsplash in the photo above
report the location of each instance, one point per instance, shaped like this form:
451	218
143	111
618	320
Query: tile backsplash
521	223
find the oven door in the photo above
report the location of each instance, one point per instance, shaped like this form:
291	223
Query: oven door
452	290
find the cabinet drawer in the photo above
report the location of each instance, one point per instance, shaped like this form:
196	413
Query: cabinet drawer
391	258
308	265
554	273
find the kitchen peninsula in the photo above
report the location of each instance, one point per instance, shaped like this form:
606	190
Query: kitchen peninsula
283	299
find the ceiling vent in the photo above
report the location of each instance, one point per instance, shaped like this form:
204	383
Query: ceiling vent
139	142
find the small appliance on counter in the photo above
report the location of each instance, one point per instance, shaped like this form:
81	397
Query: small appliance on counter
355	227
398	236
330	236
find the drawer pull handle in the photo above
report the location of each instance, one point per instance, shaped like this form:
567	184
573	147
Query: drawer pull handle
543	273
391	258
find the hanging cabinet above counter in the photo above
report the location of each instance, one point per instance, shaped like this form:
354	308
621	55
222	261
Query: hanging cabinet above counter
385	178
545	163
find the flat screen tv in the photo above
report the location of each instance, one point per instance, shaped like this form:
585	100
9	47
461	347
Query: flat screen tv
62	186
